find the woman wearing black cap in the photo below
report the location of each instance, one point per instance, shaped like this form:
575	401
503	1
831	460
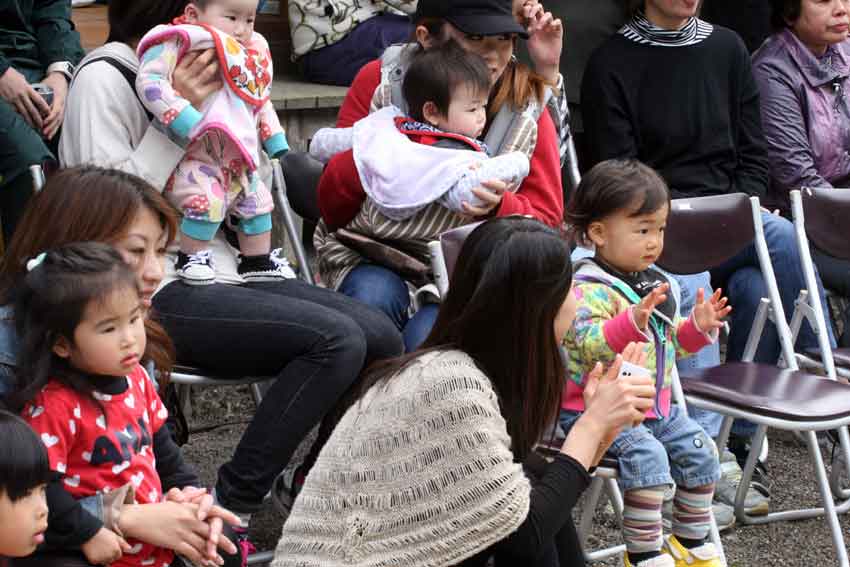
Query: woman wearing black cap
489	28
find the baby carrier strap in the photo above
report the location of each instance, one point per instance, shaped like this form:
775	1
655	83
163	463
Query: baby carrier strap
126	72
503	128
394	63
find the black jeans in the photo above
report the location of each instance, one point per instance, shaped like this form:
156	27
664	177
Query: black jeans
314	341
835	274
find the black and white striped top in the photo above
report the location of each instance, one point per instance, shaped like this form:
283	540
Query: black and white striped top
641	30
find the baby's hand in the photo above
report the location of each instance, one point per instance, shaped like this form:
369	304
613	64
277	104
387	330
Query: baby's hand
709	315
642	311
105	547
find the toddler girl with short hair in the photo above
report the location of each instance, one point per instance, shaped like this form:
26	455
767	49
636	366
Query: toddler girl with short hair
24	474
620	208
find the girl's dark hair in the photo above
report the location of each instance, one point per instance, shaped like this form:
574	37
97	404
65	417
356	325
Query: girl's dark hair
129	20
511	278
614	185
783	13
89	203
23	458
50	303
435	74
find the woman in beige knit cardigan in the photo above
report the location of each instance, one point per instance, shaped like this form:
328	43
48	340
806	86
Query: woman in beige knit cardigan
425	468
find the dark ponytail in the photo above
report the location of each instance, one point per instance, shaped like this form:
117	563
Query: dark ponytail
50	303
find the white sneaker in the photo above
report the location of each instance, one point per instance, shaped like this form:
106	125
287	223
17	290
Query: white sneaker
757	500
195	269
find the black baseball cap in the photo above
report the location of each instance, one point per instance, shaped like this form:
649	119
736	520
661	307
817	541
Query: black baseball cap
476	17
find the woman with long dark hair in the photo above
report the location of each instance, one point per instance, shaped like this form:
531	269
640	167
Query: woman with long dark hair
425	466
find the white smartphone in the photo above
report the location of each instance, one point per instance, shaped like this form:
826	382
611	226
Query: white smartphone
629	369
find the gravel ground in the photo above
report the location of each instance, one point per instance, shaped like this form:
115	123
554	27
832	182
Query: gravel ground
220	416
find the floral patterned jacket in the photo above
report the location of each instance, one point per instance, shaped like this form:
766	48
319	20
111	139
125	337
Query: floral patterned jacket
603	327
315	24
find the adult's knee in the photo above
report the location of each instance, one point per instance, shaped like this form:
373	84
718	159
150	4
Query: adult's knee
20	144
688	285
642	459
781	242
745	288
380	288
345	342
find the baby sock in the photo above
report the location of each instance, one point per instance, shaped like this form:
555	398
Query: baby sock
642	522
692	514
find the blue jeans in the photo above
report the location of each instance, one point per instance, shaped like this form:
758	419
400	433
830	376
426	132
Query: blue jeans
745	286
661	451
708	356
386	291
337	64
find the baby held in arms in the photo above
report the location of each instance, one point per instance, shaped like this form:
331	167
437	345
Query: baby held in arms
407	161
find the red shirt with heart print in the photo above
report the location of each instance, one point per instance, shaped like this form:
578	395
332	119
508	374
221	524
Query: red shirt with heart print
104	442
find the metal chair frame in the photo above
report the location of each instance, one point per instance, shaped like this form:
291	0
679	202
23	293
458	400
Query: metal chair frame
808	306
771	309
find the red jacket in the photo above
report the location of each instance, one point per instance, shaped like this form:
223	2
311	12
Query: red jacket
341	195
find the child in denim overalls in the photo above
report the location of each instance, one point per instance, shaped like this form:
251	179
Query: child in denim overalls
621	208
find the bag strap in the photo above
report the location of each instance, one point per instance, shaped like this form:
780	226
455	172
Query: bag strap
394	65
126	72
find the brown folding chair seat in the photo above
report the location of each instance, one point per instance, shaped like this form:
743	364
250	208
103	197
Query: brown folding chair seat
777	393
702	233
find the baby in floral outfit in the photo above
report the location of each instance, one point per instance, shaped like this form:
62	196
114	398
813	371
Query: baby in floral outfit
218	176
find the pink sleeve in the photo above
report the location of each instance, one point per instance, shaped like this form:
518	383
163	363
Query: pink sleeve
691	337
622	330
154	88
268	121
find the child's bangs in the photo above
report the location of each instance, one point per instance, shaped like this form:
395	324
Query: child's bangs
23	459
103	287
655	196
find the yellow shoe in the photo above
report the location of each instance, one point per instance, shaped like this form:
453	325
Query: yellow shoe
658	561
705	555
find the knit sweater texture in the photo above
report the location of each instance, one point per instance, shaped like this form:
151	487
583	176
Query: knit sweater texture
419	473
691	112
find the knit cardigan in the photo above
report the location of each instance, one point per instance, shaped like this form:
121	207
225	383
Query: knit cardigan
418	473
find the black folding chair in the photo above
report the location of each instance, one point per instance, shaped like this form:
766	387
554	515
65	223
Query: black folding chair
702	233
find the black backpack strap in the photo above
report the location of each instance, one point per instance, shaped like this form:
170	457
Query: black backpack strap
126	72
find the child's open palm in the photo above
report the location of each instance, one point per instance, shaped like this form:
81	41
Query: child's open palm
643	310
709	315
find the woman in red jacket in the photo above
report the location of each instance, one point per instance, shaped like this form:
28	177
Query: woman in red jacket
490	29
